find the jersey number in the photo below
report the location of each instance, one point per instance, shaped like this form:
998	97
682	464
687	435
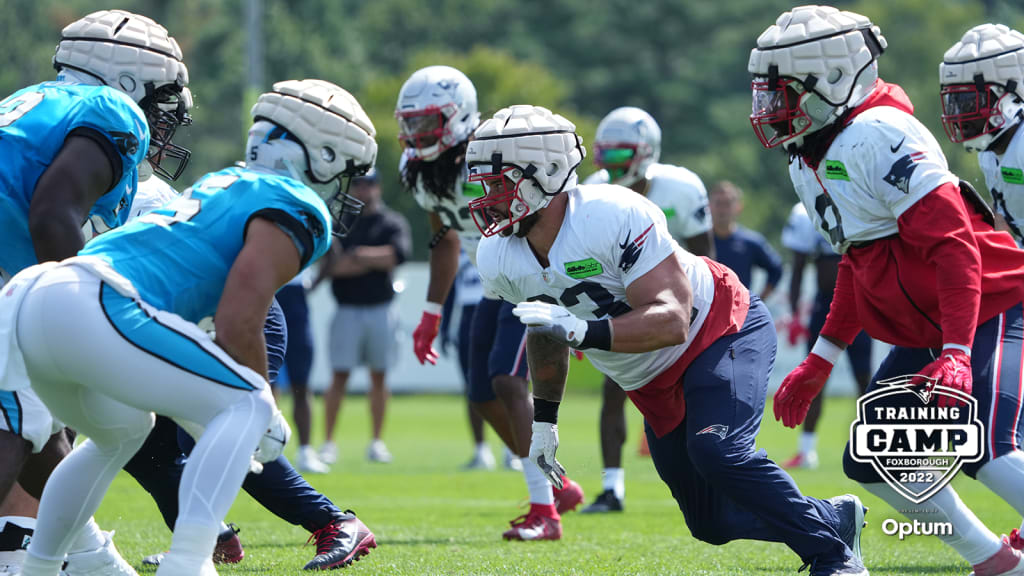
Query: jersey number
13	108
185	208
607	305
823	205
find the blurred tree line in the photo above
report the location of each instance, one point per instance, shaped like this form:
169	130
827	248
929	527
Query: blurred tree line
682	60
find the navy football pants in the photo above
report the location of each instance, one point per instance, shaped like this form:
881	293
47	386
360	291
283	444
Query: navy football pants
725	489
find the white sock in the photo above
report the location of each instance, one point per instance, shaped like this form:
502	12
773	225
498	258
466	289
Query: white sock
192	544
970	538
482	448
537	484
89	538
1004	476
808	442
614	479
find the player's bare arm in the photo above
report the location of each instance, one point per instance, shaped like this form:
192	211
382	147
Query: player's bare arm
549	366
661	300
376	257
78	176
268	261
444	261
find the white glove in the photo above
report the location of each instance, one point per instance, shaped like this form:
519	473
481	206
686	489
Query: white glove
543	445
272	444
552	321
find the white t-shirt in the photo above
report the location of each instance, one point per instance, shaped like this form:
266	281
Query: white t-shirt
877	168
453	211
1004	176
801	236
608	239
679	193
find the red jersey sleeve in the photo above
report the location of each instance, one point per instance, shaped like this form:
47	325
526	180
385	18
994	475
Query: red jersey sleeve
842	323
938	227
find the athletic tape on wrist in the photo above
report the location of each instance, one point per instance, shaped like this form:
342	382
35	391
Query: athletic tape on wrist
433	308
827	350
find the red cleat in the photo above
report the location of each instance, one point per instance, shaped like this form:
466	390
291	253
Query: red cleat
569	497
340	543
229	548
801	460
534	526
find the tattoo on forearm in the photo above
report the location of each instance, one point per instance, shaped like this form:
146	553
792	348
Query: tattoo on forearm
549	366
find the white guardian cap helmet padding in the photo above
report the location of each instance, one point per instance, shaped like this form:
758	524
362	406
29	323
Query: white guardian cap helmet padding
982	91
524	156
809	68
436	110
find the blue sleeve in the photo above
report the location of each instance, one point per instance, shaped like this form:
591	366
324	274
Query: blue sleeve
767	258
275	331
120	120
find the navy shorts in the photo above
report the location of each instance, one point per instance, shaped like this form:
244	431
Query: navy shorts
497	346
298	357
996	367
859	351
465	337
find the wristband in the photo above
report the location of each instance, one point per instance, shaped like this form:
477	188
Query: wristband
433	308
599	335
959	347
828	351
545	410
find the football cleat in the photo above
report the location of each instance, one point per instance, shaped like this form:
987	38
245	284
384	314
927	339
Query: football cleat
512	461
1014	539
851	521
309	463
177	565
606	501
534	526
482	460
569	497
378	452
850	567
801	460
1006	562
328	452
340	543
103	561
14	539
227	551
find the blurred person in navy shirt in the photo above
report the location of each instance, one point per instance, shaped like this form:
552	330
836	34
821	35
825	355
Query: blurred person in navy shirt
737	247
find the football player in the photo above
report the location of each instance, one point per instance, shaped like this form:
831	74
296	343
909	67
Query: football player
71	149
437	113
626	149
340	537
691	347
807	244
922	269
128	304
982	89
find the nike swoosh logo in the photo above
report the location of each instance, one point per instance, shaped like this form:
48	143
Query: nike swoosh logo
625	242
897	147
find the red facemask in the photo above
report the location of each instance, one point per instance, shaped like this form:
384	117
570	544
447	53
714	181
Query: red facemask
493	212
774	110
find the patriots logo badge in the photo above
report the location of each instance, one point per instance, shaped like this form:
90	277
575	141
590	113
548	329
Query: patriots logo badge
631	250
901	171
720	430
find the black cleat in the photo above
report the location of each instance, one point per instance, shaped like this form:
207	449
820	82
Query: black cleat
851	521
340	543
606	502
850	567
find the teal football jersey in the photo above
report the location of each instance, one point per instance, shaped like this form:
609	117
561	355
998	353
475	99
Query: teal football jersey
34	122
178	256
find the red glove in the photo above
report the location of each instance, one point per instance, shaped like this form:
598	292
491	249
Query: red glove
423	337
952	370
797	331
803	384
577	353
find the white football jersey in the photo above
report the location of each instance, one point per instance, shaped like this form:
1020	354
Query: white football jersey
679	193
152	193
877	168
607	240
1004	176
801	236
453	211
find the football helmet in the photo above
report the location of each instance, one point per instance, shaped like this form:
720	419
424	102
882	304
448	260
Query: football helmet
317	133
524	156
809	68
436	110
135	55
628	141
982	92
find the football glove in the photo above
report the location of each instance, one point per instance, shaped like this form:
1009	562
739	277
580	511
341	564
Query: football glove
423	337
799	388
953	370
552	321
543	445
272	444
797	331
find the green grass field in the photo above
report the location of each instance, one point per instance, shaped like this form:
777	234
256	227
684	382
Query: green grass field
431	518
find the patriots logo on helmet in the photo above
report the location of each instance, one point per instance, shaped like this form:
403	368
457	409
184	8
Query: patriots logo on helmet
631	250
901	171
